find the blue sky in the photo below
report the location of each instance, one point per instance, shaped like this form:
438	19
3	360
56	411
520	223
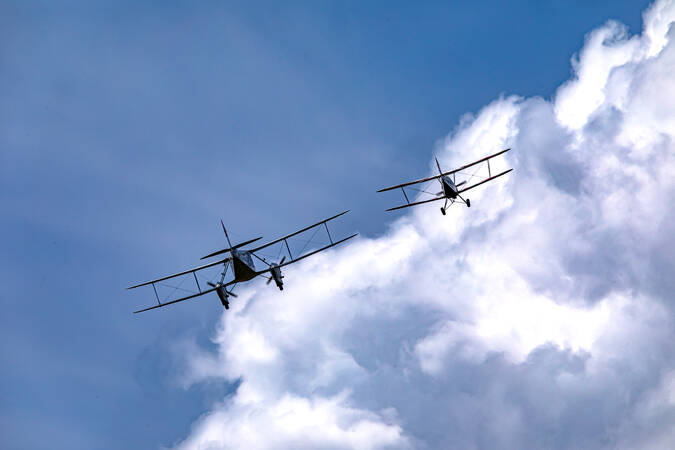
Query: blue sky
128	130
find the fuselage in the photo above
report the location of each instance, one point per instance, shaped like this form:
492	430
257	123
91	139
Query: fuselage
242	264
449	187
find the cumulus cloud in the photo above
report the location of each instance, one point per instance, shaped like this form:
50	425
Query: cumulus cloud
541	317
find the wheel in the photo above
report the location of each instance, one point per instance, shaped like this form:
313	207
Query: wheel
442	210
227	305
468	203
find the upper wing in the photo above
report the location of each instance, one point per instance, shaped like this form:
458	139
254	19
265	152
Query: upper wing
485	180
181	299
415	203
476	162
444	173
180	273
297	232
422	180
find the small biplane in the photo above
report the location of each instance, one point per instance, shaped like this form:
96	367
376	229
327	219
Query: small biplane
243	267
450	187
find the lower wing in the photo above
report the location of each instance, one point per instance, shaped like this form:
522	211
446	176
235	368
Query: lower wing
484	181
415	203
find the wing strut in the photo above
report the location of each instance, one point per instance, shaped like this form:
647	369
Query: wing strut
328	233
154	289
197	281
288	248
404	194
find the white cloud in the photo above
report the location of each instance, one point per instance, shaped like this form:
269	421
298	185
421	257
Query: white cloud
540	317
292	422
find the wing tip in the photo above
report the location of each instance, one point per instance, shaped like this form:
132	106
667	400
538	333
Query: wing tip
390	188
210	255
151	307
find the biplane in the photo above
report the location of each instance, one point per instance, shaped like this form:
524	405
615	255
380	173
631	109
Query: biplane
243	267
451	189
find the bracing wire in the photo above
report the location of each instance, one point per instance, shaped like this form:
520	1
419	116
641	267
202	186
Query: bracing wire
175	288
310	240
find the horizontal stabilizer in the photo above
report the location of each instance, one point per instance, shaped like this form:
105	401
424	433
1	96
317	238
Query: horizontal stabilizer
225	250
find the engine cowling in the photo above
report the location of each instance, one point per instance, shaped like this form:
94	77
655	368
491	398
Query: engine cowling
277	276
223	296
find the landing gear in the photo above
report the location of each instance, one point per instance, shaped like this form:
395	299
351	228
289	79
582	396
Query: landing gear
225	303
467	202
442	210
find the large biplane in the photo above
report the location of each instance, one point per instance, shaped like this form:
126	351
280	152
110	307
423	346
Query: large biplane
450	187
243	267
